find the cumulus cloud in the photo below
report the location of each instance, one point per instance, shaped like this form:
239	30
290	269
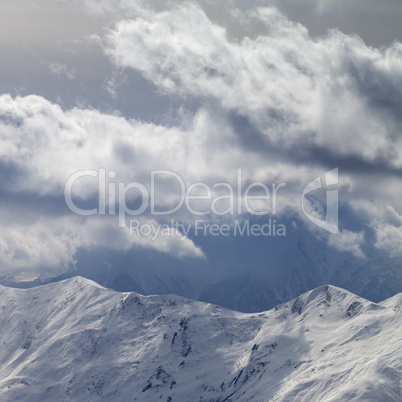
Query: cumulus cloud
386	223
333	92
41	146
348	242
280	105
42	245
48	145
51	243
389	238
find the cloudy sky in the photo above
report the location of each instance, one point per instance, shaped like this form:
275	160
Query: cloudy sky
283	91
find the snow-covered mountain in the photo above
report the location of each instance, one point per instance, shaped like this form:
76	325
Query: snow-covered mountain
75	340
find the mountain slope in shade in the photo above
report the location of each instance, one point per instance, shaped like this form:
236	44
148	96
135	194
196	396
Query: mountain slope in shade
75	340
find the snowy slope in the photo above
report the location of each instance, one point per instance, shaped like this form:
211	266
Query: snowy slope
74	340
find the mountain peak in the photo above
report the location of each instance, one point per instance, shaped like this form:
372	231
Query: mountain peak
82	281
329	299
73	282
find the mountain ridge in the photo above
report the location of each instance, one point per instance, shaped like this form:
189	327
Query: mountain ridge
76	340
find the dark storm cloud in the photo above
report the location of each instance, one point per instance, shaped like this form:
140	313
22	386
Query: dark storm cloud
307	153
